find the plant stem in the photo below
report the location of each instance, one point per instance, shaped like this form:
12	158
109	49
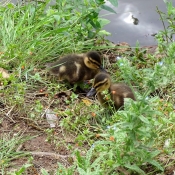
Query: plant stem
159	12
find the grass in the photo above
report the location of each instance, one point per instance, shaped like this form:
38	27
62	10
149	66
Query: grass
103	141
10	151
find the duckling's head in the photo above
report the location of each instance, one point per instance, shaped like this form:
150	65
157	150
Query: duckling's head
102	82
93	60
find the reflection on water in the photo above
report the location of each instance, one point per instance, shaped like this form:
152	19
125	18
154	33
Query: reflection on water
135	20
131	19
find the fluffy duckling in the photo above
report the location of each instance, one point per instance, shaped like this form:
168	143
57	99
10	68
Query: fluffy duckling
118	91
77	67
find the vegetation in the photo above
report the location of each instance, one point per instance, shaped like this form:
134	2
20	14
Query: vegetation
9	145
137	140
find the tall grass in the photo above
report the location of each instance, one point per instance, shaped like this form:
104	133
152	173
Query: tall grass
9	149
33	33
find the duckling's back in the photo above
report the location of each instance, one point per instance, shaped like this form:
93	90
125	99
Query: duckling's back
120	91
72	68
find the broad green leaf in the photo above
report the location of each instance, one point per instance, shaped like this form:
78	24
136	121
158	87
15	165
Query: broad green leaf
154	153
104	32
10	5
57	17
81	160
135	168
60	30
91	34
96	26
103	22
105	7
156	164
114	2
81	171
22	169
44	172
144	119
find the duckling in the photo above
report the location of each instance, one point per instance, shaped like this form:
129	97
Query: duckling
77	67
118	91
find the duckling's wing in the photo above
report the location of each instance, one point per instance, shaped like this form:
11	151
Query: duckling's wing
67	68
122	90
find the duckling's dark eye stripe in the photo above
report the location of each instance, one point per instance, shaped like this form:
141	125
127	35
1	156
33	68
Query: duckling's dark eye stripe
100	84
97	86
95	62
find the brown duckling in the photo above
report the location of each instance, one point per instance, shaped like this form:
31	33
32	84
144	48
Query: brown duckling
77	67
118	91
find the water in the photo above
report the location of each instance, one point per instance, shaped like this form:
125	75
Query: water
122	27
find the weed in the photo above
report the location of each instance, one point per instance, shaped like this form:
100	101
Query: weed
21	170
8	145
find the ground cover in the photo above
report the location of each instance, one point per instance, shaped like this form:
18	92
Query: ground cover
86	139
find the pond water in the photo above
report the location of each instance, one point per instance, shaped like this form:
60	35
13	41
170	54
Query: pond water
143	14
136	20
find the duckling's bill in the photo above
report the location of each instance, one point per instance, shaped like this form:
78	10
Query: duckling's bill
103	69
91	92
